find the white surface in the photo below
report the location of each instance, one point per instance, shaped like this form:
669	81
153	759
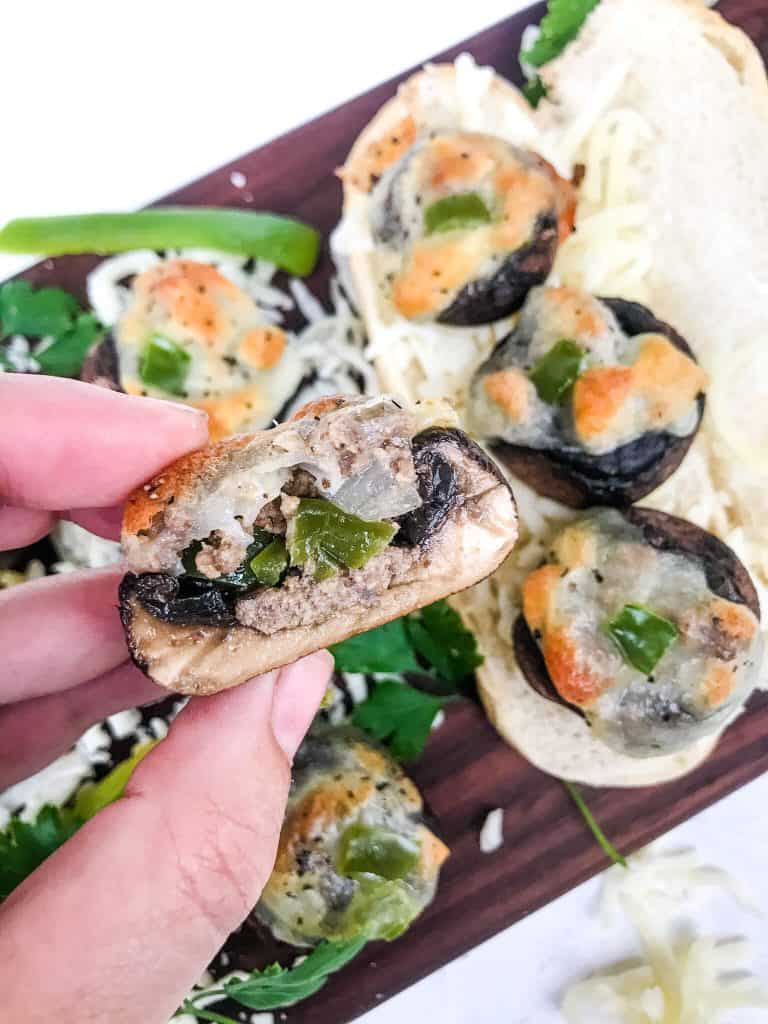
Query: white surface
109	112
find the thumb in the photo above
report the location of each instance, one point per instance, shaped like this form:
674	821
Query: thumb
122	920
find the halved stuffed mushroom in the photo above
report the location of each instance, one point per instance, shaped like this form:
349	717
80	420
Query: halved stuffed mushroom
590	401
257	550
191	335
465	225
645	624
355	857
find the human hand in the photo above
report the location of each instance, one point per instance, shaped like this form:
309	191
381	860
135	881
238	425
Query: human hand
120	922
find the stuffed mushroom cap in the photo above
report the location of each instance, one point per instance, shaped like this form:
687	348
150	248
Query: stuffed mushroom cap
191	335
646	625
465	225
355	858
591	401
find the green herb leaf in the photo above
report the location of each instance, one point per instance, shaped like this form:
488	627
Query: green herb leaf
555	373
559	26
400	716
387	648
534	91
25	845
438	635
605	844
93	796
165	365
642	636
64	356
456	213
36	312
277	986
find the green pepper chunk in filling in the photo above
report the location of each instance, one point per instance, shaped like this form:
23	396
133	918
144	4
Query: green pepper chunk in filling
364	849
165	365
327	537
555	373
642	636
456	213
270	563
244	577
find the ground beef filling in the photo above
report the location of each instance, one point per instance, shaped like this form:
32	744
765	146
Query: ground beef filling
300	601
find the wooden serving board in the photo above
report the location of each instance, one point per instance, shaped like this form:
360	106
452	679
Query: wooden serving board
467	769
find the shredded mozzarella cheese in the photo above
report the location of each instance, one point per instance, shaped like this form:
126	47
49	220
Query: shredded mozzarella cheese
491	834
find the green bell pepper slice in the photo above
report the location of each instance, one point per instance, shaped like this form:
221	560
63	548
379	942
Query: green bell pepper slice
328	538
164	365
456	213
288	243
642	636
376	851
555	373
268	566
242	578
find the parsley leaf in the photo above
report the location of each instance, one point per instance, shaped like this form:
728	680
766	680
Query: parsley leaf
387	648
25	845
558	27
440	637
534	91
399	715
277	986
65	355
49	313
432	640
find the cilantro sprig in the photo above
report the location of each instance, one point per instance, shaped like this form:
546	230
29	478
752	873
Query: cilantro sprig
276	986
602	840
53	315
559	26
432	641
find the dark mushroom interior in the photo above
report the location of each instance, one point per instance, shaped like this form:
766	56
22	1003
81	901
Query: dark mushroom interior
650	625
554	462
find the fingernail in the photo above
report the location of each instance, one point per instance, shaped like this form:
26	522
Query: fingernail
298	692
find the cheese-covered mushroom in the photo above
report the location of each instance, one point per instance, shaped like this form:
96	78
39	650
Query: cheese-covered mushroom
190	334
355	857
466	225
592	401
645	624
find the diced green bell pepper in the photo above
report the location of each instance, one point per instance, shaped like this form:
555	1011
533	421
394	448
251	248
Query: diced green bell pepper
327	538
376	851
268	566
555	373
165	365
642	636
456	213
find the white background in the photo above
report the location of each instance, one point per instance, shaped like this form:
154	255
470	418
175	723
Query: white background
107	106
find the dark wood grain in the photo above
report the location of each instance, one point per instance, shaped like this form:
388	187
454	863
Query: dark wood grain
467	770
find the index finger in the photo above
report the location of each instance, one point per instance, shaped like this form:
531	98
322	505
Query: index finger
69	445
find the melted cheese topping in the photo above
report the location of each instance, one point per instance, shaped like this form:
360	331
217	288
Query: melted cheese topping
627	386
242	368
423	274
597	565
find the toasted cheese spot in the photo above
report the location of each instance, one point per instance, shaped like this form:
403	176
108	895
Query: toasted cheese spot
319	407
668	378
598	397
579	315
510	390
380	153
432	854
263	347
527	195
436	270
734	619
320	810
232	413
576	546
538	591
575	682
718	683
458	160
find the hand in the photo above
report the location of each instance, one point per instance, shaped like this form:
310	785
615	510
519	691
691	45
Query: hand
121	921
